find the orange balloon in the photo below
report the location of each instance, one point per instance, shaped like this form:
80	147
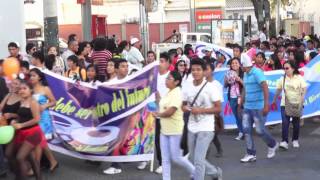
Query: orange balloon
11	67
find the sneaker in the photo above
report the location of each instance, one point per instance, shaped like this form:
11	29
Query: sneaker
272	151
295	144
159	170
219	173
112	170
284	145
142	165
248	158
239	137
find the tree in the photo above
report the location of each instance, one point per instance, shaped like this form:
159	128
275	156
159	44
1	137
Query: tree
261	11
263	8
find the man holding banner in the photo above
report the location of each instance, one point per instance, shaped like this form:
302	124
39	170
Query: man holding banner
256	108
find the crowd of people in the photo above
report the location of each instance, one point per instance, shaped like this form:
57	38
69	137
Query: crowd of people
189	98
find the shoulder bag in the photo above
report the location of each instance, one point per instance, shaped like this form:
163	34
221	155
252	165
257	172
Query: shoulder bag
292	109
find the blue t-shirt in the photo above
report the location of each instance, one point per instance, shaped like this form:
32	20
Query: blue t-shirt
254	94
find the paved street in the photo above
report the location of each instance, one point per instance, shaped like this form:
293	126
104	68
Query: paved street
294	164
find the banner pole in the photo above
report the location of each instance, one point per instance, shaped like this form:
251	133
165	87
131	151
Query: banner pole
152	162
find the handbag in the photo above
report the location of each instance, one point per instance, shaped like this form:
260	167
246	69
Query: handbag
291	109
184	138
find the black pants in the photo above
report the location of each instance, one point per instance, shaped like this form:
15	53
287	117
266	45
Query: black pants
217	143
116	165
184	138
157	141
2	165
286	124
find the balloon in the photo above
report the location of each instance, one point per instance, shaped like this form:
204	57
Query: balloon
11	67
6	134
152	106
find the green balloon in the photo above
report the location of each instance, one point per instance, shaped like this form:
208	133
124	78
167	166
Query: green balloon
6	134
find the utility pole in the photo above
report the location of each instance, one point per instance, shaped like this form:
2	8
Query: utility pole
86	20
144	26
50	14
192	15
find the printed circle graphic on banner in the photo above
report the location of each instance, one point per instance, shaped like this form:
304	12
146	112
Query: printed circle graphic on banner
95	136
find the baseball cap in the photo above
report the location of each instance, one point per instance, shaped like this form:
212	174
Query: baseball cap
134	40
246	60
207	49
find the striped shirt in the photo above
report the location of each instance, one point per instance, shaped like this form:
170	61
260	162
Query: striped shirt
101	58
254	94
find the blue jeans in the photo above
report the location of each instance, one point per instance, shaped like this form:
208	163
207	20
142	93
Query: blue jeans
234	106
286	124
170	150
249	117
198	144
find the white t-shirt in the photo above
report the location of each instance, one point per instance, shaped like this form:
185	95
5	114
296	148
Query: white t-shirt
95	83
65	56
161	84
187	79
206	98
135	57
125	54
262	36
219	88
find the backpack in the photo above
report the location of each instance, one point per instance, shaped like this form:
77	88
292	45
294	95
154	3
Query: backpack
79	72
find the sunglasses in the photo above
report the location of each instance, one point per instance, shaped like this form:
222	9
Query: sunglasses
286	68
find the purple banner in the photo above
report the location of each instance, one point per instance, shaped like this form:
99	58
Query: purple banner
108	122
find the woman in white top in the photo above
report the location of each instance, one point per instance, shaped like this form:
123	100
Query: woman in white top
92	75
58	65
123	49
171	120
111	71
181	67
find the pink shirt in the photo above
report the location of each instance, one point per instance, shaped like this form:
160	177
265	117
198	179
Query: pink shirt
234	85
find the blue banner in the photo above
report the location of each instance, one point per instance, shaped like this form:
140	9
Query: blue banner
311	74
